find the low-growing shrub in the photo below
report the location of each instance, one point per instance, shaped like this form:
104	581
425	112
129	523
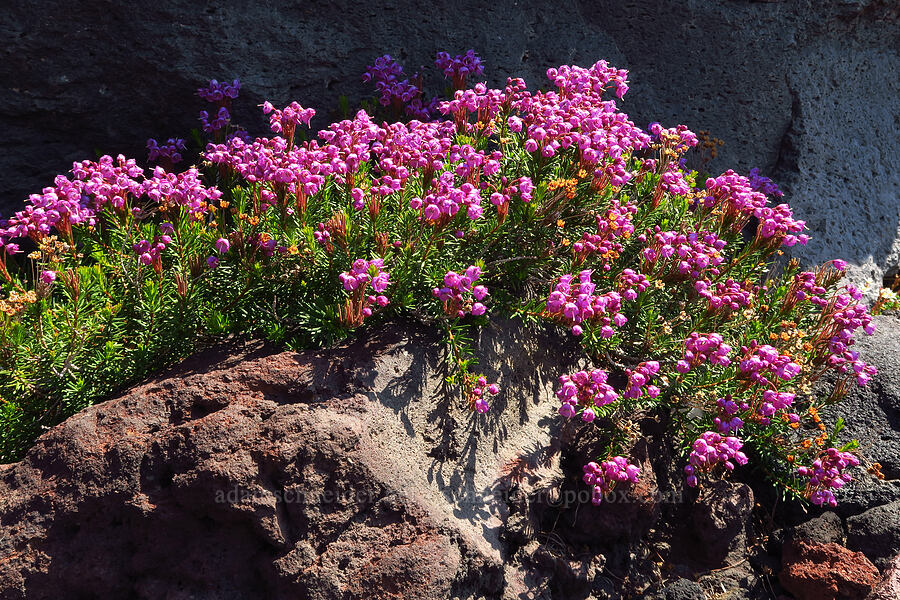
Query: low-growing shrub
547	206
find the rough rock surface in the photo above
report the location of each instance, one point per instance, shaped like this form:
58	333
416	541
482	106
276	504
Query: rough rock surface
339	474
876	532
683	589
719	520
818	571
346	473
889	586
808	92
824	529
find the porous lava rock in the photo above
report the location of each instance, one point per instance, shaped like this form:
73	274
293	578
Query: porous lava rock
682	589
720	519
808	92
254	473
355	472
876	533
825	529
812	571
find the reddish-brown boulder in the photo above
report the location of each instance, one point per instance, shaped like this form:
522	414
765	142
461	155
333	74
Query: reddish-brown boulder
277	475
814	571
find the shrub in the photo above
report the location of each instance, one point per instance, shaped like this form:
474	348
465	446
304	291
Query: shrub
546	206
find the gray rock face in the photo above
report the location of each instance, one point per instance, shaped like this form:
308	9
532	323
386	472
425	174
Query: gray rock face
876	533
853	209
824	529
683	589
808	92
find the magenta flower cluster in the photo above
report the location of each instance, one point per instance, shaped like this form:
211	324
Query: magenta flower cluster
480	392
573	302
727	419
460	67
736	196
586	389
405	148
402	94
361	275
826	475
672	180
444	170
763	184
760	361
639	380
777	226
446	199
806	287
460	295
611	227
486	103
603	477
150	253
286	119
842	316
300	171
573	81
725	296
702	347
97	186
219	93
167	153
740	200
692	254
772	402
632	283
184	189
577	116
712	449
213	122
678	139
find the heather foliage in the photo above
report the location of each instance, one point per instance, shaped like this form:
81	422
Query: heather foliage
548	206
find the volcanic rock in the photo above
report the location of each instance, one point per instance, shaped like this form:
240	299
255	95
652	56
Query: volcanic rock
813	571
280	475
